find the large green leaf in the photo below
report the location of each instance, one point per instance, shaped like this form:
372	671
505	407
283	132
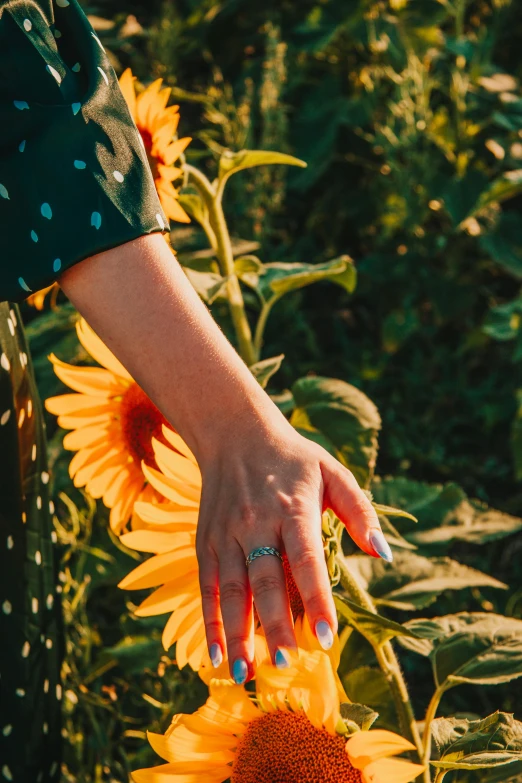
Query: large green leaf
208	285
463	744
480	648
374	627
368	685
231	162
357	717
504	243
343	415
272	281
264	369
414	582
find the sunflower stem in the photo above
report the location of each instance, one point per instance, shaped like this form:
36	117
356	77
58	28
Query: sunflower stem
226	262
430	717
387	660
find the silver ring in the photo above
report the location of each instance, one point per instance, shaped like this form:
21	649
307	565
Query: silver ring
260	551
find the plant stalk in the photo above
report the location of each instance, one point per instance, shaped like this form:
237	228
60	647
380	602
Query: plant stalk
388	662
226	263
430	716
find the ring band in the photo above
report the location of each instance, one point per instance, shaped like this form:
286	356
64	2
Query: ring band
260	551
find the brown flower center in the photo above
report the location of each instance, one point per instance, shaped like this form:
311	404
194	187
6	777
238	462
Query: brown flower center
284	747
140	422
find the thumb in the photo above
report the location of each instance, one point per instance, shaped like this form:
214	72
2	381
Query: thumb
348	502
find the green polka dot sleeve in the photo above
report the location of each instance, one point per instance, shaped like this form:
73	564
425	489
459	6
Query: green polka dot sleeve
74	176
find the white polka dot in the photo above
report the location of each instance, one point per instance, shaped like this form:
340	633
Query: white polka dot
38	557
34	236
33	452
76	108
51	509
59	588
21	105
38	502
10	542
20	692
58	691
13	316
26	649
5	363
21	146
6	772
11	326
54	768
49	643
62	3
54	537
99	43
4	418
3	192
27	25
23	284
45	728
7	607
96	220
76	67
54	73
29	402
57	33
57	264
62	577
46	686
46	210
79	164
45	477
160	220
21	418
34	605
49	601
104	75
22	359
6	731
118	176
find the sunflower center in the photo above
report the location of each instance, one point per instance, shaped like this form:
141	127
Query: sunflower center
140	422
284	747
152	159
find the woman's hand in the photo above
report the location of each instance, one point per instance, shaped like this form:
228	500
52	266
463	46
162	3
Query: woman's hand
269	488
263	483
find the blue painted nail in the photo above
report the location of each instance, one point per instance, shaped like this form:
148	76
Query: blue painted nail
381	546
324	634
281	659
240	671
216	655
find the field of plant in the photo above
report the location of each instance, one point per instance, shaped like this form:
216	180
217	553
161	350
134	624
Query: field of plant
349	208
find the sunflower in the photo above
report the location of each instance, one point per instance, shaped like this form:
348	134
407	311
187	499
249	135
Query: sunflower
291	732
168	531
37	300
157	125
112	422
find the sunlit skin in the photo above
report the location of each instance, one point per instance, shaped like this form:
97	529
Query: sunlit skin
263	483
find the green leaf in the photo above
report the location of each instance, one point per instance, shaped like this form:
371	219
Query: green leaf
480	648
194	206
504	243
264	369
358	717
479	744
504	322
516	438
208	285
272	281
368	685
135	654
504	187
374	627
390	511
414	582
231	162
343	415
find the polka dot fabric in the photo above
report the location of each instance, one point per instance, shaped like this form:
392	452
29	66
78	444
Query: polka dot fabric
74	176
30	618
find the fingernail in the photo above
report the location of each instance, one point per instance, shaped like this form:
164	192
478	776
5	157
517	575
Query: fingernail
324	634
381	546
281	659
239	671
216	655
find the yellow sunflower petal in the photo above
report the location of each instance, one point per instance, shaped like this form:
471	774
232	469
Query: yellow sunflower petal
307	640
175	149
120	483
178	443
126	82
181	620
196	648
99	485
391	770
172	489
86	437
173	519
72	403
99	351
149	541
169	202
159	569
144	101
167	773
176	466
93	381
185	745
122	508
367	746
168	598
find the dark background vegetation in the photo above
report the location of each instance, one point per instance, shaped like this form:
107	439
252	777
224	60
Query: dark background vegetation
409	115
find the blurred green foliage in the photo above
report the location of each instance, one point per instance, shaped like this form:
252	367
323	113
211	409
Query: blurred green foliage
409	116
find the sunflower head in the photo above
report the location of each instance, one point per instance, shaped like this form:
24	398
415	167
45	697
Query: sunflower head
290	731
157	124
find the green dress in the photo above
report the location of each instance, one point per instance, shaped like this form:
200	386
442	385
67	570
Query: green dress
74	181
